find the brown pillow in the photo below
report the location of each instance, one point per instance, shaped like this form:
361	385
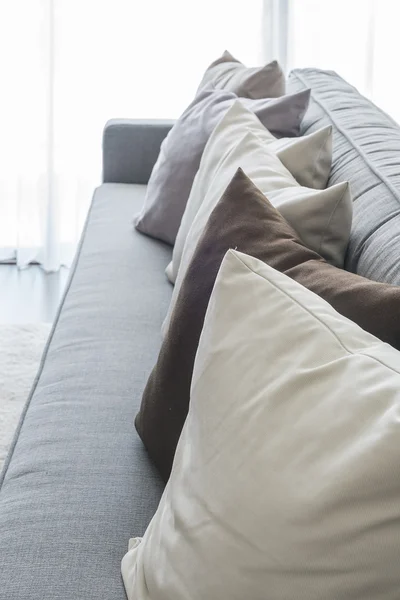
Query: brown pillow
245	220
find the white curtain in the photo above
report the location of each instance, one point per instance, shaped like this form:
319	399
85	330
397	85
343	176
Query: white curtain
69	65
356	38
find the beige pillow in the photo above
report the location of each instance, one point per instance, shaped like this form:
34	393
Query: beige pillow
285	481
229	74
308	158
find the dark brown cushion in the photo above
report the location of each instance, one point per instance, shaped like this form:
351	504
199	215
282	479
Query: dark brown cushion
246	221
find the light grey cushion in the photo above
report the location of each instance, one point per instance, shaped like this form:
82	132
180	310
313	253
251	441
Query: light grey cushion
78	481
173	174
366	152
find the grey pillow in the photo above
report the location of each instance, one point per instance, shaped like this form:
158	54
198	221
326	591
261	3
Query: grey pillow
229	74
180	154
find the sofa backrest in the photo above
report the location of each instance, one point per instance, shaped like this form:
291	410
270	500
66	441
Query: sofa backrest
366	152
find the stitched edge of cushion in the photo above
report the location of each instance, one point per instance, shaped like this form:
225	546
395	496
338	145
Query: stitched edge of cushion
14	442
316	97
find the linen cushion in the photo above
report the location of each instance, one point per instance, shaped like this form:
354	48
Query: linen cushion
322	218
308	158
366	152
285	481
246	220
172	177
229	74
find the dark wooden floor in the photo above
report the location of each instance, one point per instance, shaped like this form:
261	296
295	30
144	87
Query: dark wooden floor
30	295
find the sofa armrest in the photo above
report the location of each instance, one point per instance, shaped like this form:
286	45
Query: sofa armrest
131	148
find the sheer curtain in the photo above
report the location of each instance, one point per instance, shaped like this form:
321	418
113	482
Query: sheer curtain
69	65
356	38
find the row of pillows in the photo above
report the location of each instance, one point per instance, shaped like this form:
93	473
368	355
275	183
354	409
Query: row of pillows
284	480
181	151
244	219
277	415
216	124
321	217
172	177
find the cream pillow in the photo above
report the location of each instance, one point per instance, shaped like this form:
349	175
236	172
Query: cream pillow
308	158
285	481
322	218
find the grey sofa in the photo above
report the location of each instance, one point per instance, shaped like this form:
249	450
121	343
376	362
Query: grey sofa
77	482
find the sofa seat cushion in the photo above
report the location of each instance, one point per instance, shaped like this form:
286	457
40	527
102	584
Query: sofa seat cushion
78	480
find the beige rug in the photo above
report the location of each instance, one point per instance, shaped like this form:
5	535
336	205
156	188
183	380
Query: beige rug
21	348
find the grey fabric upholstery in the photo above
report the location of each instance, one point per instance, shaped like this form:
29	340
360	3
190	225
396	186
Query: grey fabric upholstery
131	147
366	152
78	482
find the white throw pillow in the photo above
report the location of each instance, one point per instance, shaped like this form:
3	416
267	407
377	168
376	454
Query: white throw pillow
322	218
308	158
285	483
